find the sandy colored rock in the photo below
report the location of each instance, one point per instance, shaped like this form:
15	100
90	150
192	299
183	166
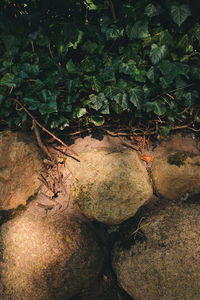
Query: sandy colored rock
176	168
20	164
48	258
165	265
108	185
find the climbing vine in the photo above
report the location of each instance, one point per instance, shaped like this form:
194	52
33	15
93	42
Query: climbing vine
94	60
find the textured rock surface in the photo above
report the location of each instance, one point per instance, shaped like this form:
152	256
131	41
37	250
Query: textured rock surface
47	258
165	265
176	168
109	185
20	164
104	288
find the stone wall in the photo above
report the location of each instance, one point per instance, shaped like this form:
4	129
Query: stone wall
119	221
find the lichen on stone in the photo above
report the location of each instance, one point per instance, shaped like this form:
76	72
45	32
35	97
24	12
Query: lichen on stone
178	158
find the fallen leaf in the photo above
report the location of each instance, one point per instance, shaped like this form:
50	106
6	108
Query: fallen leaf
147	158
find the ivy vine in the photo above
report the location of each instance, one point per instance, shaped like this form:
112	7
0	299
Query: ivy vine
93	60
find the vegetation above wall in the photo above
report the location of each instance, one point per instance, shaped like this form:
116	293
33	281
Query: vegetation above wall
96	60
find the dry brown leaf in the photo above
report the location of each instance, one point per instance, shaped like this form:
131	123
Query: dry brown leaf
147	158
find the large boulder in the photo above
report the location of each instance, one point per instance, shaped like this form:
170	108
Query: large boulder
164	264
109	185
176	168
20	164
47	258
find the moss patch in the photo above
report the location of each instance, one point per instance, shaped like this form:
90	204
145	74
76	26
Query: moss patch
178	158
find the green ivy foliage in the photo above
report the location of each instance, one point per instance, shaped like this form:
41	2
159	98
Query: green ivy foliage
94	59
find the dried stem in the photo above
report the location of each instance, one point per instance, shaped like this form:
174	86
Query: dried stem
113	10
43	128
40	143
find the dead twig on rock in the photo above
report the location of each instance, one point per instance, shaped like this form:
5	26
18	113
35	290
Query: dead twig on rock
39	140
42	127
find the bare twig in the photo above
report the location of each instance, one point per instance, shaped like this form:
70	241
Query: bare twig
113	10
43	128
168	93
40	143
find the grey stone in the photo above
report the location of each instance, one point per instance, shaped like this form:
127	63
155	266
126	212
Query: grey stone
165	265
109	186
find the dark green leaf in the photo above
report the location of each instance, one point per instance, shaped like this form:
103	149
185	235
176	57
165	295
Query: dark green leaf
109	74
98	102
139	30
32	103
170	70
152	74
158	107
113	32
88	65
131	69
90	5
183	42
165	130
96	120
7	80
90	47
166	38
136	96
151	10
116	108
1	99
71	67
157	53
179	13
79	112
42	40
121	100
197	119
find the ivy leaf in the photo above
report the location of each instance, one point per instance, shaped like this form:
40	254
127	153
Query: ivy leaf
158	107
90	47
1	99
90	5
130	68
197	119
179	13
33	104
113	32
165	130
74	44
183	42
152	74
139	30
49	108
166	38
170	70
157	53
71	67
196	32
136	96
42	40
109	74
121	99
98	102
7	80
96	120
151	10
88	65
79	112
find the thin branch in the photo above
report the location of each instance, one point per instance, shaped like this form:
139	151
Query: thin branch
167	93
43	128
38	137
113	10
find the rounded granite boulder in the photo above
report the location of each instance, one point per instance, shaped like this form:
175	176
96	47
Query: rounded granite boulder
163	265
109	186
